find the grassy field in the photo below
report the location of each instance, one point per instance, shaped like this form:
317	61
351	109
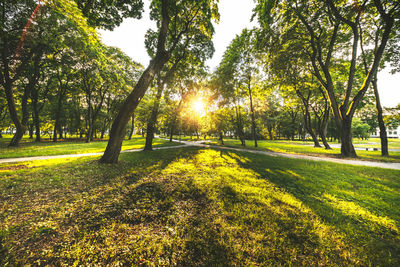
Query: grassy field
306	148
28	148
195	206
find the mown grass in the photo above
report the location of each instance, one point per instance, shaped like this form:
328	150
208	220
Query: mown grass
300	147
28	148
195	206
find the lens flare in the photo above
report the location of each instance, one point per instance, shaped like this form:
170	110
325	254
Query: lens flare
198	106
26	28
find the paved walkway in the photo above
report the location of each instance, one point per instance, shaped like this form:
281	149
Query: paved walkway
385	165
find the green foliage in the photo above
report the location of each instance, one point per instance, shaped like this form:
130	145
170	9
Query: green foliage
360	129
109	14
28	148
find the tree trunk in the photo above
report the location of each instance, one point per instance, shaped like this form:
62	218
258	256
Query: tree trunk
57	117
253	121
89	134
323	138
60	133
239	126
347	148
36	119
382	127
117	132
221	137
153	118
20	128
323	127
132	127
309	129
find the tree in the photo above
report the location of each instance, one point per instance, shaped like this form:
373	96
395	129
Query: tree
109	14
175	19
360	129
237	75
326	28
22	66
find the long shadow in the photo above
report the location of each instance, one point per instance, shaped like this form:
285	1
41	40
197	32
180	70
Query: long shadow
355	201
130	195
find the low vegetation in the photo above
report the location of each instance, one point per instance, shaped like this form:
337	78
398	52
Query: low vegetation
196	206
306	148
28	148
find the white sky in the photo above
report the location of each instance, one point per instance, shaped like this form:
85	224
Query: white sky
235	16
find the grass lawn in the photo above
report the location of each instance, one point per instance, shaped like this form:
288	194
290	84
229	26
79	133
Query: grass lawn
393	143
28	148
193	206
300	147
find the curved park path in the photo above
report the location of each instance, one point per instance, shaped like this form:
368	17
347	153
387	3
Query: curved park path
385	165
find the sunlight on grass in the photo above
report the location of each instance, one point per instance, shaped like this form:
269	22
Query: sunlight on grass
192	207
305	148
29	148
352	209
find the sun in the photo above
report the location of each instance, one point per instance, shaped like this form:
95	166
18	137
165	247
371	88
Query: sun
198	106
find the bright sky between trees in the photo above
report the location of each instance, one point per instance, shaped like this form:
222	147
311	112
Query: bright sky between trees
235	16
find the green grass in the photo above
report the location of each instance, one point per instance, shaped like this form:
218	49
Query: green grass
306	148
195	206
393	143
28	148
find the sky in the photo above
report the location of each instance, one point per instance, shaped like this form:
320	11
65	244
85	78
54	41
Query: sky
235	15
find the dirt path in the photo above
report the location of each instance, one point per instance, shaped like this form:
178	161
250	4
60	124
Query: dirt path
385	165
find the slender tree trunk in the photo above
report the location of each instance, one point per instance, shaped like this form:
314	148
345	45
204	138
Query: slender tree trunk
58	114
382	127
253	121
153	118
117	132
36	119
323	138
239	126
323	127
20	128
221	137
132	127
31	131
309	129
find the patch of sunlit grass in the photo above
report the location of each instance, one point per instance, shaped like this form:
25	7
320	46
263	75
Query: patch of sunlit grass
194	206
29	148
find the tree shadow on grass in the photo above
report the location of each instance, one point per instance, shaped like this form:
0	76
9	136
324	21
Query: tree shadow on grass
359	203
125	214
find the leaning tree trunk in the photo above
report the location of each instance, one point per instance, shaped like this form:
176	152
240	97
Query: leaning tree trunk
322	133
253	121
132	127
153	119
117	132
382	127
20	128
308	126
